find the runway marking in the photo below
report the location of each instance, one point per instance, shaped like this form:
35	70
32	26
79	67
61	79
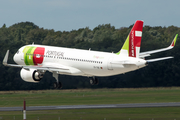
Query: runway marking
130	105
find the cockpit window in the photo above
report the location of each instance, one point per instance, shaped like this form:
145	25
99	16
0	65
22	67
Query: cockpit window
18	52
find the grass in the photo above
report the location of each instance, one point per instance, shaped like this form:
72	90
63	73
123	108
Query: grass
93	96
89	96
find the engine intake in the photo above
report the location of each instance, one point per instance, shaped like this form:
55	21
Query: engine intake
31	75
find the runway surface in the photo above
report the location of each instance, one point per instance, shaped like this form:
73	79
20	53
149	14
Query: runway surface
134	105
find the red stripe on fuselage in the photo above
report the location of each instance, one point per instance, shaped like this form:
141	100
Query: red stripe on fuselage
38	55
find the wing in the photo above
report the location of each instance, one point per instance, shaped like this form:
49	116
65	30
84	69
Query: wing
52	67
148	53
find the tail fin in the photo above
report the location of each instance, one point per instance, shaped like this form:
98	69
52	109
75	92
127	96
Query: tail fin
132	44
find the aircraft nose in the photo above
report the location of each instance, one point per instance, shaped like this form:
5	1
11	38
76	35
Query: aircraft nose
18	58
15	58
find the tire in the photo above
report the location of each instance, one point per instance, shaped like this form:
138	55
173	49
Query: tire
60	85
96	81
92	81
55	85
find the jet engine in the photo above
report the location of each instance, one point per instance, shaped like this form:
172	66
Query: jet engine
31	75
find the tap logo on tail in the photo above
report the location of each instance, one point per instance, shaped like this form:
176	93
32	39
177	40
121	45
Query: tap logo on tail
132	44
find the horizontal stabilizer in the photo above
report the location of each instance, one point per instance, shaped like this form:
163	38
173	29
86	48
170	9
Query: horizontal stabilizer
158	59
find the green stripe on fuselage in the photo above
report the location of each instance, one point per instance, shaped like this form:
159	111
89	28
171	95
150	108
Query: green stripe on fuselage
28	55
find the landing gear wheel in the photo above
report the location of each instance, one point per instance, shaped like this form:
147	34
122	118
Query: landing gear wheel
94	81
60	85
57	85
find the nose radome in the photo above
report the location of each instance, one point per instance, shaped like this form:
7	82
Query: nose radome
15	58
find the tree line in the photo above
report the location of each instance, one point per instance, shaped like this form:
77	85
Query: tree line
102	38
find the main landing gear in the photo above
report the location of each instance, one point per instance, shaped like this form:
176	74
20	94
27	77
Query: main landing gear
57	84
94	81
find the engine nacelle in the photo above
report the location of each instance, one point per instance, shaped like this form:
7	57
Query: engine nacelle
31	75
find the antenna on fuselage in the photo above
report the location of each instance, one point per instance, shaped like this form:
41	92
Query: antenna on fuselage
33	43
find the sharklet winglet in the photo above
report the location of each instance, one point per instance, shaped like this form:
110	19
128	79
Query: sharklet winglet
6	58
174	41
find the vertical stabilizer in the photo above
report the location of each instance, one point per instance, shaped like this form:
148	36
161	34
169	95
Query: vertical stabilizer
131	47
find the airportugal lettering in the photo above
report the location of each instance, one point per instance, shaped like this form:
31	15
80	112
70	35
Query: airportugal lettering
55	53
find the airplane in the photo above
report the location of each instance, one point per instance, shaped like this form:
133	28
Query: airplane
34	60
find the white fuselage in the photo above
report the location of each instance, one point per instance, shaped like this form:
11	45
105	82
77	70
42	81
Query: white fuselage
84	62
